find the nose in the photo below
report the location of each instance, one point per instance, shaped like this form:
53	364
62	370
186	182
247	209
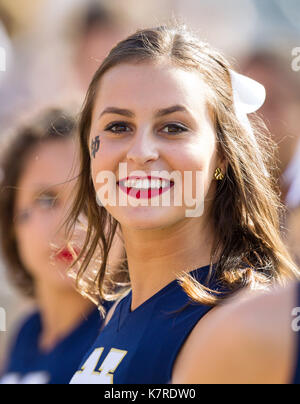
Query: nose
143	148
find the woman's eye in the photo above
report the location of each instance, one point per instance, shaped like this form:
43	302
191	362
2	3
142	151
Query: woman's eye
46	202
118	127
174	128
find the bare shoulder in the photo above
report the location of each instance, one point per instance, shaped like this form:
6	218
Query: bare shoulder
246	340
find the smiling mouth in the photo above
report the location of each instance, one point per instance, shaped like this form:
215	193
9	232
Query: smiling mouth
144	187
66	255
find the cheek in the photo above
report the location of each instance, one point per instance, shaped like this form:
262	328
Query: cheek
199	155
30	248
196	162
97	157
34	245
108	157
36	236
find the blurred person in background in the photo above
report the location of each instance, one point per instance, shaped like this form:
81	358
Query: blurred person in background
97	30
35	194
280	111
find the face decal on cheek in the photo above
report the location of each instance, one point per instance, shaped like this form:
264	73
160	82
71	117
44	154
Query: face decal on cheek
95	146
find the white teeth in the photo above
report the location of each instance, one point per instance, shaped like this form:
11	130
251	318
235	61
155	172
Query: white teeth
155	183
146	183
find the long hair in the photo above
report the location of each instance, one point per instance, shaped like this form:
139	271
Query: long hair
246	208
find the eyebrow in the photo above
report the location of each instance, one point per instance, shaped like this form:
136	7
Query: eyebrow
129	114
41	189
118	111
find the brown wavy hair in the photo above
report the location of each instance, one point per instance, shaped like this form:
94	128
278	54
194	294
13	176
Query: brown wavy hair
246	211
47	125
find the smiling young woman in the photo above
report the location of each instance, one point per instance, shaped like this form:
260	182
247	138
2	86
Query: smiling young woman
163	101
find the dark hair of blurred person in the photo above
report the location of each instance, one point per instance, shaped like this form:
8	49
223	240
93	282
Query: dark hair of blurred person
37	169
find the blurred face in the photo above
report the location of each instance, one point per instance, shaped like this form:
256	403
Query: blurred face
280	110
154	118
41	205
92	49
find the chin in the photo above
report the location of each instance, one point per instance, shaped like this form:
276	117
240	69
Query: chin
58	277
147	218
65	285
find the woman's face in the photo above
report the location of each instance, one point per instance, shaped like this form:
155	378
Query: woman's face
153	117
41	206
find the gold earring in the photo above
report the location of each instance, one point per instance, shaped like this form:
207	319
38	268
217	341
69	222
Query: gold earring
219	176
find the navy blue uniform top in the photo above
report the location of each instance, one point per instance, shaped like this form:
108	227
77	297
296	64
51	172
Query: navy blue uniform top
141	346
28	365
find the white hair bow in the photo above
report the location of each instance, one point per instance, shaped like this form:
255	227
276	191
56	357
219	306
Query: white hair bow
248	96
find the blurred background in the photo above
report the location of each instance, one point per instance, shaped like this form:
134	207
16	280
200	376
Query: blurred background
53	47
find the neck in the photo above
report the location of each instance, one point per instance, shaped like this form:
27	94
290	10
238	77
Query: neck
61	311
157	257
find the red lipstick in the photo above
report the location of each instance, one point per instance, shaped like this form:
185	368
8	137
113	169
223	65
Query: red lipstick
66	255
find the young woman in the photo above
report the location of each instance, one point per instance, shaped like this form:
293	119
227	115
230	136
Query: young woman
162	108
35	195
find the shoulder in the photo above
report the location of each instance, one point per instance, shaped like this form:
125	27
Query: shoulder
248	339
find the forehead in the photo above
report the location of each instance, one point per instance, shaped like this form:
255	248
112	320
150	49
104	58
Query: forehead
148	86
48	164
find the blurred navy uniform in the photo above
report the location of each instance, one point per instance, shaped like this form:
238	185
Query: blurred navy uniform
28	365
